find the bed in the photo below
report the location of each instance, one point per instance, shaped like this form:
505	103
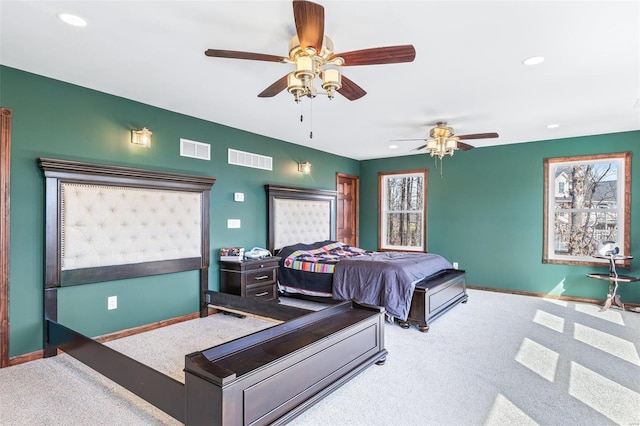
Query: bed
106	223
414	288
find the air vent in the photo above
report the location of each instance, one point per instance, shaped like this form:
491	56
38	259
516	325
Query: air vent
247	159
195	149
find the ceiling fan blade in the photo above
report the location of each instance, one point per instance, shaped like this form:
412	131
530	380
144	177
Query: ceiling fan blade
309	18
275	88
378	55
464	146
478	136
419	148
350	90
217	53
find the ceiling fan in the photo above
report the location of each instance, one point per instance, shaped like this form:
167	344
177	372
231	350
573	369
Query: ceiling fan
312	54
442	140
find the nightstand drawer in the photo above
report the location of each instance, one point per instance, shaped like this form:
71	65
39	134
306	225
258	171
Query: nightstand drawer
266	292
269	262
261	276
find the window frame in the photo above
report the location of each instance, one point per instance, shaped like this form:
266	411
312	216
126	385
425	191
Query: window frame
623	207
382	177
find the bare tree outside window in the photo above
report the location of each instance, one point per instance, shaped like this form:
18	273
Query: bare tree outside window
586	201
403	210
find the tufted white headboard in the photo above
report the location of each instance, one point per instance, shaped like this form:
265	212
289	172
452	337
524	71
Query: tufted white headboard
298	215
107	223
104	225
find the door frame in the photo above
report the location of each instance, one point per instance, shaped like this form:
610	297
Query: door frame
5	174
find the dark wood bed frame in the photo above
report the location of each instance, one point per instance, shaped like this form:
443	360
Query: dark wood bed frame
432	297
251	380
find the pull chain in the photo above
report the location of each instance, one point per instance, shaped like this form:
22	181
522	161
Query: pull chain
310	115
311	120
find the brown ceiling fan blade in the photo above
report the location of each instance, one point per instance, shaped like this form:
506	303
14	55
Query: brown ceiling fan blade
309	18
350	90
464	146
217	53
378	55
275	88
419	148
478	136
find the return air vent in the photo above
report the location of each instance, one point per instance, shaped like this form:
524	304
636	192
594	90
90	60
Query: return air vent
195	149
247	159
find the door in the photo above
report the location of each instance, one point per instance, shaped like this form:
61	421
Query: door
348	188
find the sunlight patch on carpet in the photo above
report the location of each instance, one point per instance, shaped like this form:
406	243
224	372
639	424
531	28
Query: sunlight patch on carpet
504	412
610	315
604	395
538	358
608	343
548	320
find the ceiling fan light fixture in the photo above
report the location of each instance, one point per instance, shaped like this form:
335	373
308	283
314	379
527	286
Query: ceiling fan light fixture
441	146
331	81
451	145
295	86
304	67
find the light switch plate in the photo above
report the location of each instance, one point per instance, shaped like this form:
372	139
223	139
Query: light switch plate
238	196
233	223
112	302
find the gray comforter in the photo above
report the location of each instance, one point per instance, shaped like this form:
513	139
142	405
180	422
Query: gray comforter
385	279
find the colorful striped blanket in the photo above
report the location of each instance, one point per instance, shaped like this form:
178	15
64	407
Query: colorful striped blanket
322	259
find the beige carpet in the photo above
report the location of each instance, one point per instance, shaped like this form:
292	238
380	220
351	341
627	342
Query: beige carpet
500	359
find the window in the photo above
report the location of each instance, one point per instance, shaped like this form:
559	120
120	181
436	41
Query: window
403	210
586	201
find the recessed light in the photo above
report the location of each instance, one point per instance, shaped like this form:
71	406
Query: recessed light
393	146
71	19
553	126
533	60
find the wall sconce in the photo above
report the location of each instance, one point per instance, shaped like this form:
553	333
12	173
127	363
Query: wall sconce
141	137
304	168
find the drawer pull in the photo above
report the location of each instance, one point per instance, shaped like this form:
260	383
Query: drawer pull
262	277
264	293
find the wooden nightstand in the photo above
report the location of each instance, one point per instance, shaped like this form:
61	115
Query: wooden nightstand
255	279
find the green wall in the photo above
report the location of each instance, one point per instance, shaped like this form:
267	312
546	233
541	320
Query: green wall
59	120
486	213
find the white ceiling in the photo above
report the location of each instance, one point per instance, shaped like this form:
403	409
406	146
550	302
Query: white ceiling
468	69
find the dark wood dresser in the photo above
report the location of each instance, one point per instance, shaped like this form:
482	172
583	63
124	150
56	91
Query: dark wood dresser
253	279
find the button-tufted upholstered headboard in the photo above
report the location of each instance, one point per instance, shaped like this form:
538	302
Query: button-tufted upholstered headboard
299	215
106	223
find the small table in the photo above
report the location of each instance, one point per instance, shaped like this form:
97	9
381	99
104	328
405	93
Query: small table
614	279
254	279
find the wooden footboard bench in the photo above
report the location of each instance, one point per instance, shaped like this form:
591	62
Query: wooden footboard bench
434	296
271	376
